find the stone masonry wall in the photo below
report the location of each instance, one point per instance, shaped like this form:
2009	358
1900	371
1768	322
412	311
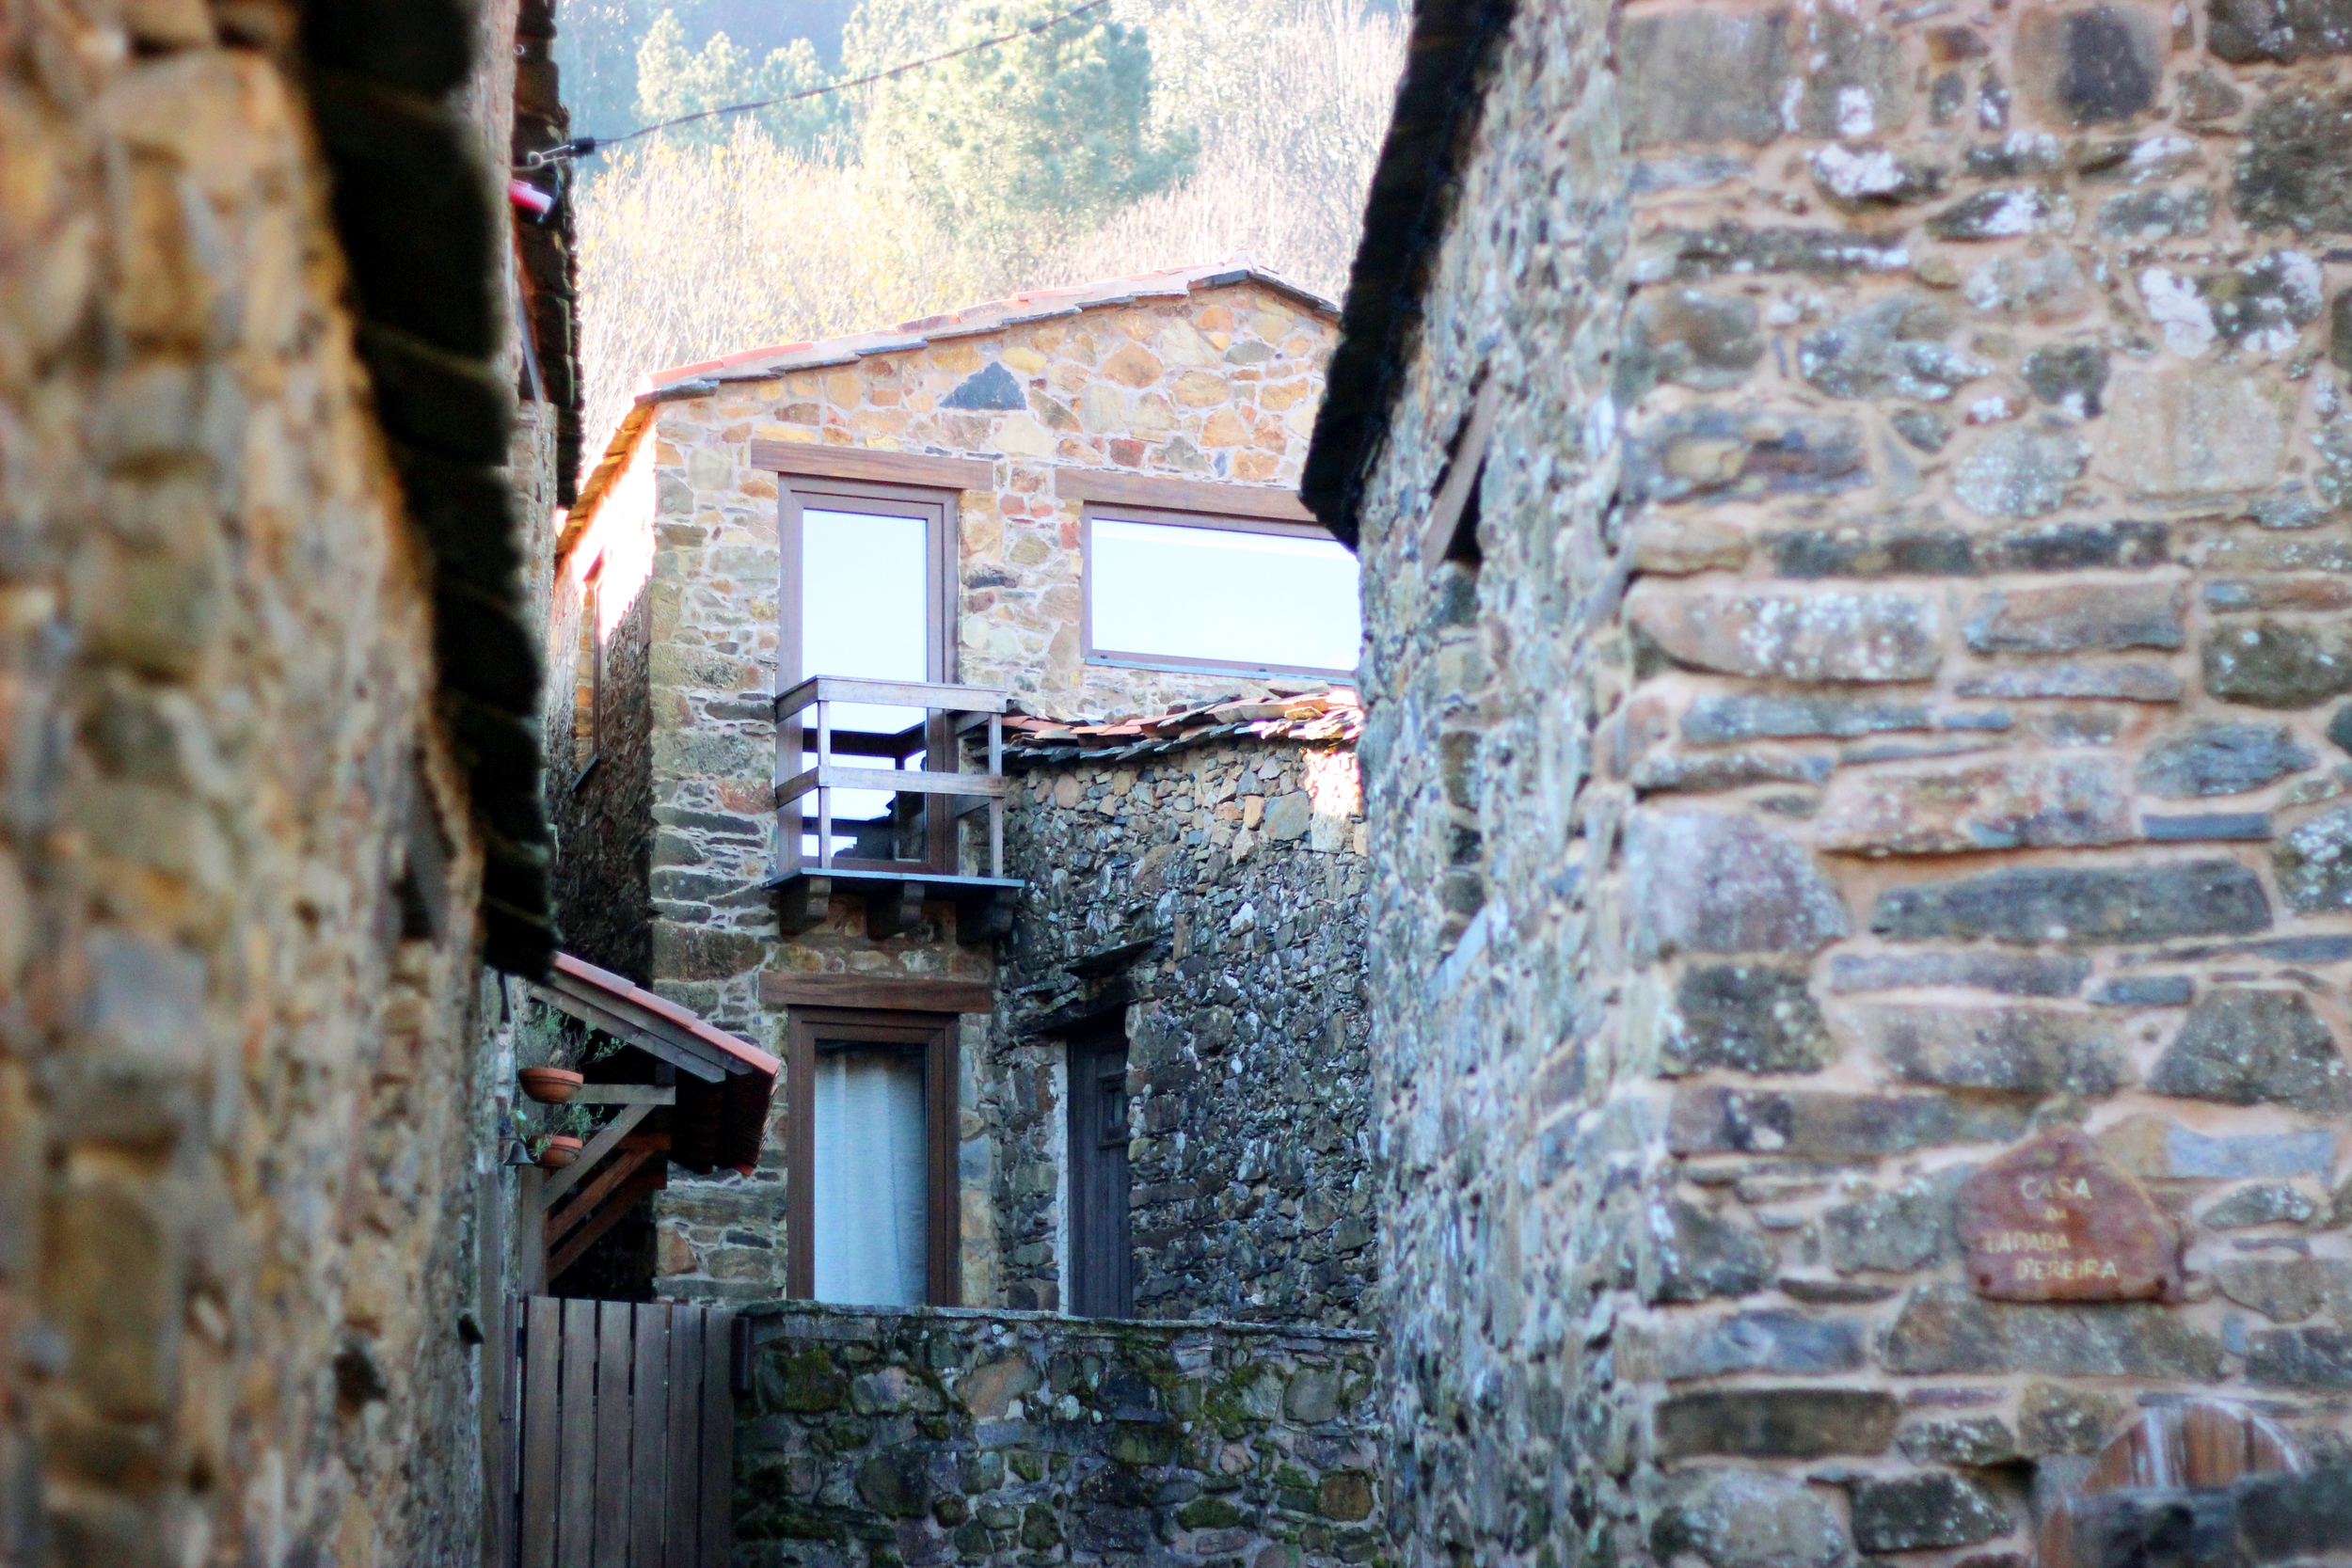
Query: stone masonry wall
237	1107
1212	898
1219	386
1896	711
605	881
935	1437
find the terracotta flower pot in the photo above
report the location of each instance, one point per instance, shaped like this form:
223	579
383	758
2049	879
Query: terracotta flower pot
560	1151
550	1085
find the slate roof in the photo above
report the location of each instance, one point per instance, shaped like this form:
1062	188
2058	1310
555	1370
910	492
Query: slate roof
974	321
1328	716
1413	189
424	247
995	315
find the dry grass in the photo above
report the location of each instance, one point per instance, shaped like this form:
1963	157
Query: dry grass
690	252
1287	150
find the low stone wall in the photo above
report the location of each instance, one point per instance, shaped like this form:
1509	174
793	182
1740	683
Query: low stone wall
939	1436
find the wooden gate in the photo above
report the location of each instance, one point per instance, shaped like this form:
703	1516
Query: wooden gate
624	1421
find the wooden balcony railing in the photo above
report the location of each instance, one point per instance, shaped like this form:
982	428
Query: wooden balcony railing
895	877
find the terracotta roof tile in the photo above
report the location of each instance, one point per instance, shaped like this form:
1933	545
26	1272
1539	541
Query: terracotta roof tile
1331	716
991	316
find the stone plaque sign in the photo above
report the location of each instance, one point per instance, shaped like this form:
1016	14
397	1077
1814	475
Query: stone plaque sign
2053	1220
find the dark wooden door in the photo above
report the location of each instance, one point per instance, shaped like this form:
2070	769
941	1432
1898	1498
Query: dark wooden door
1102	1251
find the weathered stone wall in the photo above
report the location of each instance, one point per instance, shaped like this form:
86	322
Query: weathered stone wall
1211	898
1895	712
238	1107
1220	386
1149	389
605	878
947	1436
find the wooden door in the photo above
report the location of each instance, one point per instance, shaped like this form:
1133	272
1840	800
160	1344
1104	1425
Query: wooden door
626	1456
2195	1444
1102	1249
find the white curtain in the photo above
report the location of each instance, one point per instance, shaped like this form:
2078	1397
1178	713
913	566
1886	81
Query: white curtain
871	1207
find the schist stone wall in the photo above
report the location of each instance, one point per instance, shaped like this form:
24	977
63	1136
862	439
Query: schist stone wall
1208	898
867	1440
665	842
1898	714
240	1103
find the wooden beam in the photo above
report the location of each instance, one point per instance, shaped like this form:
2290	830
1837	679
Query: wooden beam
1464	466
807	460
702	1060
924	694
1269	501
623	1094
634	1153
606	1140
804	903
881	994
891	781
893	911
652	1179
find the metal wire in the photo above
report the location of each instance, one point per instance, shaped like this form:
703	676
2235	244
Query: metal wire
581	146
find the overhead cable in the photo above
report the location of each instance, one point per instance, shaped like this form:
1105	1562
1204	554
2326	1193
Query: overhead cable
581	146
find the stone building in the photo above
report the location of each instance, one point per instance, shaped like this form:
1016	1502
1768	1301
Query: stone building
271	770
1115	1008
1853	506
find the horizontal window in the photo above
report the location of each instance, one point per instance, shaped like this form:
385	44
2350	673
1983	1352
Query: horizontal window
1195	593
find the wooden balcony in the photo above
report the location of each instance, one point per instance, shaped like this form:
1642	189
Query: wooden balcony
911	854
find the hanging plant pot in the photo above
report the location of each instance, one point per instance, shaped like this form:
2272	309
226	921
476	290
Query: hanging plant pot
560	1151
550	1085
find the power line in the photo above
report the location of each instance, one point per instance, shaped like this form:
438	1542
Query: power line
581	146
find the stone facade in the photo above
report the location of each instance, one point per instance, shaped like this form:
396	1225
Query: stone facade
1206	375
1887	706
952	1436
246	847
1211	896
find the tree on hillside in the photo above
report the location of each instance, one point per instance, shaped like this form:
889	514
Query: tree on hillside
1024	144
595	52
674	81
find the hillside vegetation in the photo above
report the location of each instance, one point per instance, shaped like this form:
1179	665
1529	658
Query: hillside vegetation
1148	134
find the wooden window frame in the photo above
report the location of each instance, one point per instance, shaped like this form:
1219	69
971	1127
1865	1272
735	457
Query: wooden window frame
934	1036
1095	512
796	494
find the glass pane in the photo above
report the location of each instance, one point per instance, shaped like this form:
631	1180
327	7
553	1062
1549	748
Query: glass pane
865	612
1158	591
872	1208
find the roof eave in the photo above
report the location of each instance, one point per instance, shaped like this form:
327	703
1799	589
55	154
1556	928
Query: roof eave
1405	218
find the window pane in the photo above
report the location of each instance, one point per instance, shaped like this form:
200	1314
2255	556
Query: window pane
865	612
1159	590
871	1209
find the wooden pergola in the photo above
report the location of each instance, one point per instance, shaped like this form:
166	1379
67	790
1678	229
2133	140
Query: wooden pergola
718	1089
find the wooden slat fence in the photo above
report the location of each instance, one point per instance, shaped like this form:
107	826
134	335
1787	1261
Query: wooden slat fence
624	1450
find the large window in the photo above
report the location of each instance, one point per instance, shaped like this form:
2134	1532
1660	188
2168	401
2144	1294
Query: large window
865	594
1169	590
870	1159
